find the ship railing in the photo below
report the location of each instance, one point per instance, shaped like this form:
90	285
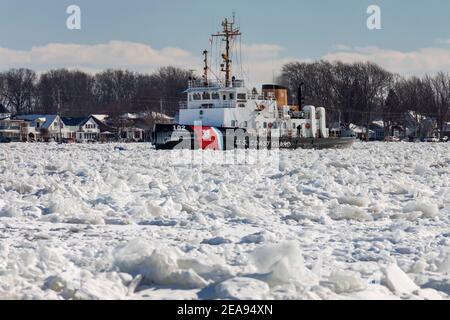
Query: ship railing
299	115
200	83
238	83
215	105
203	84
256	97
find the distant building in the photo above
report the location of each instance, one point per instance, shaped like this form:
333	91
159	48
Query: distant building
132	134
82	129
376	131
4	113
43	127
446	131
13	130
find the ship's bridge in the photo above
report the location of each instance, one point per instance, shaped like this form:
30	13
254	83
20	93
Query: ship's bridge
212	95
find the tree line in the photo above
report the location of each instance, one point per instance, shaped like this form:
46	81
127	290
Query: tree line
355	93
76	93
359	93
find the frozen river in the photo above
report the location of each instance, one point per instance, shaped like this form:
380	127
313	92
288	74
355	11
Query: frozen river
129	222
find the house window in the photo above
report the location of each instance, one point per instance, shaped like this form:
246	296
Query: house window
224	97
264	125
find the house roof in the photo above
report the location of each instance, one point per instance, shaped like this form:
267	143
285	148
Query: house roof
3	109
33	118
102	125
71	121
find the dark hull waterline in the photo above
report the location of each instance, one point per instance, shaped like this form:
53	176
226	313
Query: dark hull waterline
169	137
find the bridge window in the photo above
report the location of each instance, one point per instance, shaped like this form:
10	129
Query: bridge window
245	124
242	105
197	96
242	96
206	96
231	96
215	96
264	125
233	123
224	97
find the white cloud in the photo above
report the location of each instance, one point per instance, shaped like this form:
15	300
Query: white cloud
419	62
262	62
261	59
261	51
112	54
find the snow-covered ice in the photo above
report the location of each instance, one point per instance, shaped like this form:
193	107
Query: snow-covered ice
104	222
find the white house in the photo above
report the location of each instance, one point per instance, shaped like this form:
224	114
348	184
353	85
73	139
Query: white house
44	127
89	131
83	129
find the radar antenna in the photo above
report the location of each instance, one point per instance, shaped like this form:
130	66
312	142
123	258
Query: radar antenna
228	33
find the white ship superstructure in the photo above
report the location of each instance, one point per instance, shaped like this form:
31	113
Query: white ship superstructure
258	113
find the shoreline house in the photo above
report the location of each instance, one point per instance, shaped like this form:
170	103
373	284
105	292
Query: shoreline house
90	129
4	113
12	130
446	131
43	127
83	129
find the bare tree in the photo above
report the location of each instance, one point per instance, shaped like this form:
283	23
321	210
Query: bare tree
391	112
18	90
66	92
374	82
441	88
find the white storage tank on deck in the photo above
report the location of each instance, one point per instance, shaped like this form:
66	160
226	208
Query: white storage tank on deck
322	122
312	121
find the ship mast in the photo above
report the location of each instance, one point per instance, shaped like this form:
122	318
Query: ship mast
205	68
227	34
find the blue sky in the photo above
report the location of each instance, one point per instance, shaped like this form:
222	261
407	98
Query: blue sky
414	38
